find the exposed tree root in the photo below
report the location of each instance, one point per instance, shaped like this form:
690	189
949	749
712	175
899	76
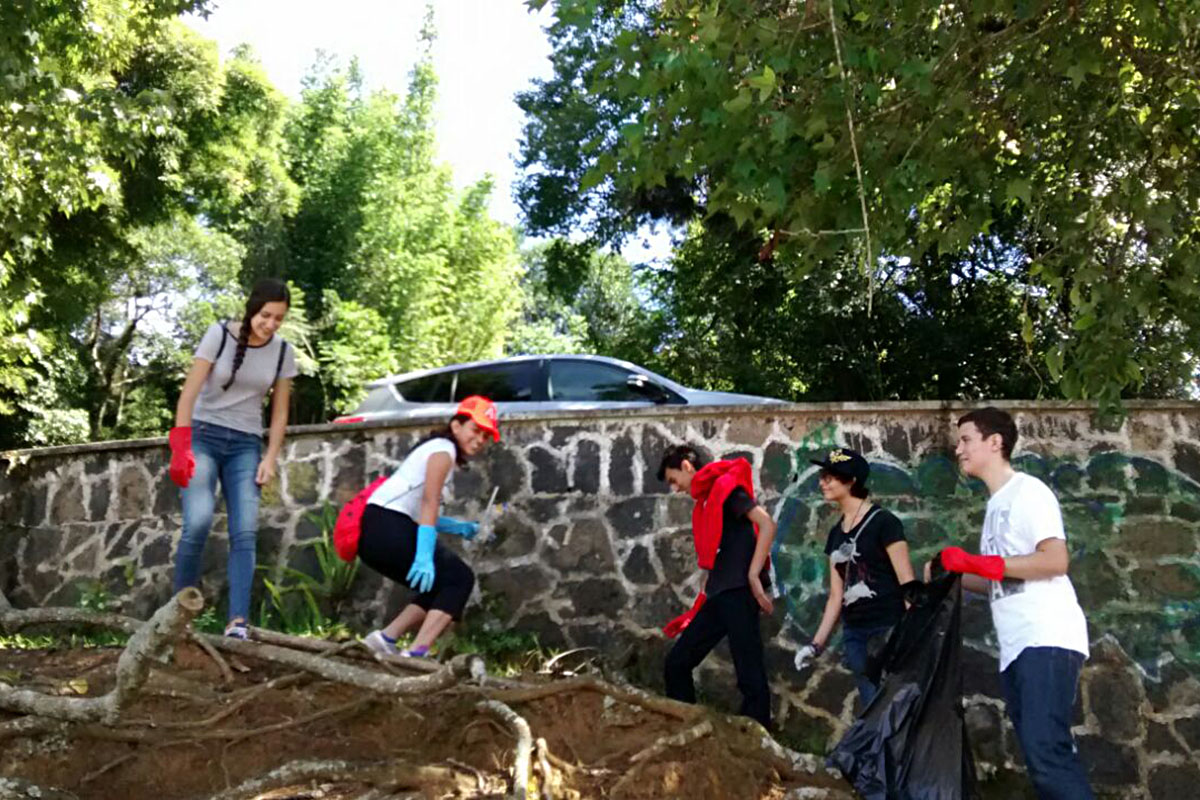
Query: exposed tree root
624	694
17	789
199	715
152	640
524	749
394	775
338	671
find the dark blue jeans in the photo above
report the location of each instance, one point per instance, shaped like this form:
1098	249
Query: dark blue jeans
857	645
231	457
1039	690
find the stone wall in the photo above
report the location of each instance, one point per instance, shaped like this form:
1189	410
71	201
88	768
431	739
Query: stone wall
591	551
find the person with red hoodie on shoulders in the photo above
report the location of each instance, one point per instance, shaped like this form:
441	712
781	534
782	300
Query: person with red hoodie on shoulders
733	536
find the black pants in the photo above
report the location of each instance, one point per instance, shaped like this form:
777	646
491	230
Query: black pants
733	613
388	545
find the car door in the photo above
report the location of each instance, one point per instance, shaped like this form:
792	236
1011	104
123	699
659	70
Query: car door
581	384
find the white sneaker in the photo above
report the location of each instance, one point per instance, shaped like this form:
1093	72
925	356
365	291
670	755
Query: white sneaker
375	641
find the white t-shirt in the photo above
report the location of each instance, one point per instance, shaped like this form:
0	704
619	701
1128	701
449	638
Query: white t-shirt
1036	613
403	491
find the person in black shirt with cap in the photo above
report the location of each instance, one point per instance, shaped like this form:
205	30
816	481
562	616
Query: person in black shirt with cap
868	563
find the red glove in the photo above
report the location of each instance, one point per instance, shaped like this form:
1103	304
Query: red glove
955	559
183	463
676	626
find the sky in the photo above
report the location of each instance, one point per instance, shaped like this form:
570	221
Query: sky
486	51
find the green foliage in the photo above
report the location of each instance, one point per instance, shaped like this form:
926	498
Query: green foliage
144	185
380	222
305	604
1062	138
577	300
354	349
145	163
507	651
94	597
208	621
63	639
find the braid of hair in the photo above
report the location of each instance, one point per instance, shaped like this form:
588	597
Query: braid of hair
239	354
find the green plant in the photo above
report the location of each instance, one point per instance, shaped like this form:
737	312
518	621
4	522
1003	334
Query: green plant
208	621
94	597
506	650
301	603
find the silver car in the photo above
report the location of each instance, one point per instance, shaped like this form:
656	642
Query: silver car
532	384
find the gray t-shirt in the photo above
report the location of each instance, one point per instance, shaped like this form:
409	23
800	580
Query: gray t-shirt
241	405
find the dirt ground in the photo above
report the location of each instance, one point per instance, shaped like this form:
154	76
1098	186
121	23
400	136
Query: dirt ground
189	735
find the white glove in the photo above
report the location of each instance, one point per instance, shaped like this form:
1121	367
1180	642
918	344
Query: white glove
805	655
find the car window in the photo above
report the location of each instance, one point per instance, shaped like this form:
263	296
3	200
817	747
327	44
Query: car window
590	381
502	383
427	389
378	399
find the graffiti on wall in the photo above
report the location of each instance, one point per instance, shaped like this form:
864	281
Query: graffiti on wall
1131	525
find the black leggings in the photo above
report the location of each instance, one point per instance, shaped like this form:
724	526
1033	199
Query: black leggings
733	613
388	545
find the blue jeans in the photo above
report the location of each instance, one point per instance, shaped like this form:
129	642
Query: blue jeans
1039	690
231	457
857	645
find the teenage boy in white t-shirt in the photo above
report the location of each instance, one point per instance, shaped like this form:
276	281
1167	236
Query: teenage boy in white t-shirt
1039	624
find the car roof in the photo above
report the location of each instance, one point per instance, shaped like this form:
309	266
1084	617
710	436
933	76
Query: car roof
616	362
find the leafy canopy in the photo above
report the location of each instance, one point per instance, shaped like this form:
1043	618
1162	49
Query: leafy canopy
890	133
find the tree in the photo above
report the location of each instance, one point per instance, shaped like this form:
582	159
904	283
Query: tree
197	179
353	349
889	134
580	300
382	234
66	125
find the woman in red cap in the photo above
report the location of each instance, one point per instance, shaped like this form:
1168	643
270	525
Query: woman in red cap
400	526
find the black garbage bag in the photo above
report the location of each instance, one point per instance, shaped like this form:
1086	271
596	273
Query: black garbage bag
910	743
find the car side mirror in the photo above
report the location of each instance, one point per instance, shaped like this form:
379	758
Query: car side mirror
644	386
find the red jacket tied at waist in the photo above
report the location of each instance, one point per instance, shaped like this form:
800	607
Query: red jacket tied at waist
711	487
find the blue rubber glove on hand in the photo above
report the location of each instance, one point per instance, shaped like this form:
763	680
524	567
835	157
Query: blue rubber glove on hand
420	575
466	530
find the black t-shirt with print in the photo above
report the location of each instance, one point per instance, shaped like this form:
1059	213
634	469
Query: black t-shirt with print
871	591
731	567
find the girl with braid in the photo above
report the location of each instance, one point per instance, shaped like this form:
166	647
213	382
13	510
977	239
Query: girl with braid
218	437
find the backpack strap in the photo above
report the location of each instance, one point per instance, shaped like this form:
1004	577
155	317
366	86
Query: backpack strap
221	347
279	363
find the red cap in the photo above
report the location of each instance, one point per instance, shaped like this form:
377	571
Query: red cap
483	411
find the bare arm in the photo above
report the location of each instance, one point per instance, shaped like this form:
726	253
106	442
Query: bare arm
192	385
1049	560
436	470
762	548
279	415
766	536
280	400
901	563
833	607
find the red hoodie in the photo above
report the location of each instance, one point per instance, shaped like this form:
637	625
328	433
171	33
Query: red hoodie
711	487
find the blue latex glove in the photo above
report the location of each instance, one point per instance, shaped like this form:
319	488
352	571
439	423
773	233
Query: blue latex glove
466	530
420	575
